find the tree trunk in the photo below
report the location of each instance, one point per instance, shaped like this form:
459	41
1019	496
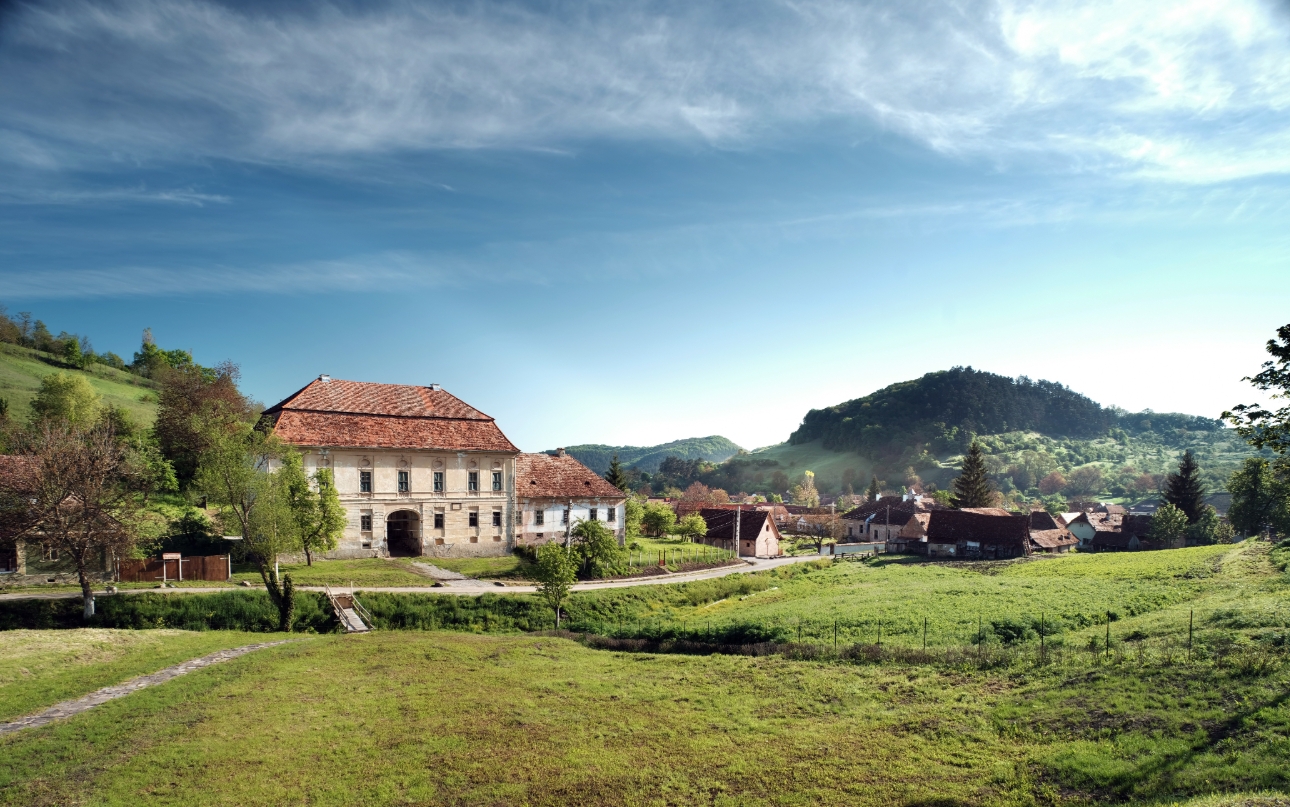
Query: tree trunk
309	557
287	607
87	592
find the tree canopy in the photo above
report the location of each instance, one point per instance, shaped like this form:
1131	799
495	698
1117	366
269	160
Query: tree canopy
1261	426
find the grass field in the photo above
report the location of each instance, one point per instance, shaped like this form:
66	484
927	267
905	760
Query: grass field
1146	595
22	369
450	718
40	668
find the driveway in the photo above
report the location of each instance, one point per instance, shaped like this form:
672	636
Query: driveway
467	587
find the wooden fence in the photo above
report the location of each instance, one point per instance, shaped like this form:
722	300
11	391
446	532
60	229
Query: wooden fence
199	567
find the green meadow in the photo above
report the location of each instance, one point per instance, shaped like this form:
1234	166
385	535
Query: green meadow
1188	704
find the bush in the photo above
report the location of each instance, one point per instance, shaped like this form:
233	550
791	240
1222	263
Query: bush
233	610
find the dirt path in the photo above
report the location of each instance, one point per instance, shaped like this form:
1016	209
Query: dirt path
467	586
75	707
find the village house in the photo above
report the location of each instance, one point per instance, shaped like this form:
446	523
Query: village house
749	533
1049	534
882	520
418	471
984	533
555	492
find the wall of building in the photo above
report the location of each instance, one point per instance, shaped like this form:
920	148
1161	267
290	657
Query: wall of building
529	533
455	503
33	568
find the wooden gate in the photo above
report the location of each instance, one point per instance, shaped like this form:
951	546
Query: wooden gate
153	570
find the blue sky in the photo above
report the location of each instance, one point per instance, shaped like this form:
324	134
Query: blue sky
633	222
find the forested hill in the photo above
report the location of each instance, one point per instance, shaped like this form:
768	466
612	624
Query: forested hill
648	458
942	409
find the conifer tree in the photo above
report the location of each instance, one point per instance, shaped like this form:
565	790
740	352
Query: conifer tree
972	487
1184	489
615	475
874	491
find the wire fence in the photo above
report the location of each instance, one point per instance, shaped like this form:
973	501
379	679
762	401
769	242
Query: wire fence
989	643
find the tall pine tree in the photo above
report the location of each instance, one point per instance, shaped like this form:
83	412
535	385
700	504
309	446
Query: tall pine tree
1184	489
615	475
874	491
972	488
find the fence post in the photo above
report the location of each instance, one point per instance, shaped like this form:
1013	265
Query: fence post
1041	638
835	633
924	634
1191	619
1108	634
979	642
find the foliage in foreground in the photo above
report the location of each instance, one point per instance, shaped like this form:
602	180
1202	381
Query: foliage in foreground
249	611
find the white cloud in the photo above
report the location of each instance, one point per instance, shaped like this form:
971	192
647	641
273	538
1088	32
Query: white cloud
1192	91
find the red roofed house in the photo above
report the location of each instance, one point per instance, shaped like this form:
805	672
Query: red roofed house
751	532
418	470
555	491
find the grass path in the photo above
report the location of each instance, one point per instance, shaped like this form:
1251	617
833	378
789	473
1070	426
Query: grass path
41	668
71	708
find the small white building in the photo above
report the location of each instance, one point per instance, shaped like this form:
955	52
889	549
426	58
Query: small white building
554	492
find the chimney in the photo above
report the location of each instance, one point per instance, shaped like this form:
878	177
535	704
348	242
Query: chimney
324	378
559	452
436	388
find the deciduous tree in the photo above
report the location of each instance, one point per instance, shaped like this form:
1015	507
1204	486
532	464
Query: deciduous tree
804	492
188	398
691	527
66	398
1054	482
1168	525
82	497
320	518
658	520
597	549
555	571
1260	499
234	473
1085	481
1261	426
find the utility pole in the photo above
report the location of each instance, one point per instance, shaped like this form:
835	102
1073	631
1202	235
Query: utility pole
738	518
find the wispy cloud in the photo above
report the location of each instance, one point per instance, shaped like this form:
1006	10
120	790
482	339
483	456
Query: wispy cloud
1191	91
175	196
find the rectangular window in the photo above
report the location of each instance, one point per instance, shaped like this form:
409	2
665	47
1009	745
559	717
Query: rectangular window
49	552
497	518
438	481
612	513
474	518
564	519
438	521
497	480
539	518
595	514
364	481
365	522
405	481
472	482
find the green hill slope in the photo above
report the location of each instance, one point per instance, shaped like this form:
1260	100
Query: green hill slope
21	370
916	431
647	458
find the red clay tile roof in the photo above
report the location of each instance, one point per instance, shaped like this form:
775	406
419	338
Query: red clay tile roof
548	476
901	509
361	415
721	523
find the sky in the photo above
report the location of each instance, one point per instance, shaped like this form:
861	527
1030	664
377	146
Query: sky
633	222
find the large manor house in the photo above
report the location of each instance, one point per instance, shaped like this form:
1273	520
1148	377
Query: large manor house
420	472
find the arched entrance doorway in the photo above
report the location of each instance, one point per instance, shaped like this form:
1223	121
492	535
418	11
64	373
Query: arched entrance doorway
403	534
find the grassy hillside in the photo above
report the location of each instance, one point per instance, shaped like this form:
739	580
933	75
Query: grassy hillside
435	717
21	370
647	458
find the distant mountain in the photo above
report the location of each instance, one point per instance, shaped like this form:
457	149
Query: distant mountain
648	458
942	409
